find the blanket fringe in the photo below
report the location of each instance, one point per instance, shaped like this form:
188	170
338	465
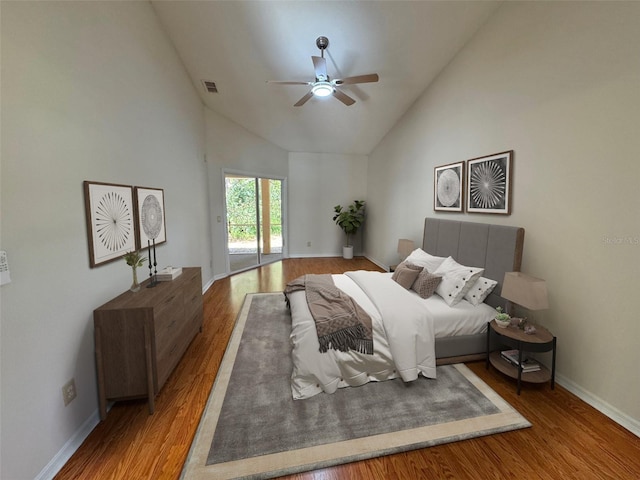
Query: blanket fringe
347	339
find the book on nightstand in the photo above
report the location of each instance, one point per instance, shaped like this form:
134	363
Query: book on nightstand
167	274
528	364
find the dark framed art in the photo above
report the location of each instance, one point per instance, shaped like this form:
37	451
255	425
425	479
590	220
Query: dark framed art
150	216
489	183
109	211
448	187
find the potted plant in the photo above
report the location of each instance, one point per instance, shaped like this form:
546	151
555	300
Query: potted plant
349	219
503	320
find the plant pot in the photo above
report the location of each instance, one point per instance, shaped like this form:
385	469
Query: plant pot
347	252
503	323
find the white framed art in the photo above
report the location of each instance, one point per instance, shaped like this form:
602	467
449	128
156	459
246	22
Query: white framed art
109	212
489	183
150	215
448	187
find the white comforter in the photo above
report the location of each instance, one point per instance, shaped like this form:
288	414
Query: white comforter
403	338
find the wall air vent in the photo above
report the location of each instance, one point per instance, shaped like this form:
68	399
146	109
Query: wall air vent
210	86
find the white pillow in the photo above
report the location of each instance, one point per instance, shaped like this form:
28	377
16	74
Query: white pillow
423	259
456	280
480	290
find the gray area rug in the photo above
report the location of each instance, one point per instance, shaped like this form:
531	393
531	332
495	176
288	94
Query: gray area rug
252	427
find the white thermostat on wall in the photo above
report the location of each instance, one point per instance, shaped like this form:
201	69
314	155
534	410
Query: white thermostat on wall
5	277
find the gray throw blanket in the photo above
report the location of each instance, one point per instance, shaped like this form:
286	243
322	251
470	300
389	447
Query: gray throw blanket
341	323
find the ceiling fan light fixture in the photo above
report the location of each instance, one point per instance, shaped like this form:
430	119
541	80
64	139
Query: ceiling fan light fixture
322	89
325	86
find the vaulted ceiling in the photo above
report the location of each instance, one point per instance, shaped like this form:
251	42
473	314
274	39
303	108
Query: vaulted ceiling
240	45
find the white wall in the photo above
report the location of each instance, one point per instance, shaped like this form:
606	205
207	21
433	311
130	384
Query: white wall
557	82
230	146
319	182
90	91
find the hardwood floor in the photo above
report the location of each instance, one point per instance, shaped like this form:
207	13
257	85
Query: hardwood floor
569	439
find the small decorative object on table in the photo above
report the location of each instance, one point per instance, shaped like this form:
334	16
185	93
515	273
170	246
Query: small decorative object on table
523	325
134	260
503	320
168	274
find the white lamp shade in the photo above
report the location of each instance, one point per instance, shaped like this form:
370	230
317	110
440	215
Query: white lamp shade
525	290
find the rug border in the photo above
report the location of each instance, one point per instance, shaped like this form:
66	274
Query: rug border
269	466
197	456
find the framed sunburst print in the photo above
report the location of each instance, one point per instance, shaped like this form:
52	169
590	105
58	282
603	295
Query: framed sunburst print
150	216
110	221
448	187
489	183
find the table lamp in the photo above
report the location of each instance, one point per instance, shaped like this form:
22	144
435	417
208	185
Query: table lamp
524	290
405	247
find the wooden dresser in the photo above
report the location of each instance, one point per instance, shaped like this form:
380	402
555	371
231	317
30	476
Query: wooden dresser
140	337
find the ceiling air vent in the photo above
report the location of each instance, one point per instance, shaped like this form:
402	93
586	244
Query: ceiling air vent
210	86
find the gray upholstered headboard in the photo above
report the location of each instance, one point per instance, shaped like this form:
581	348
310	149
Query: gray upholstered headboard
496	248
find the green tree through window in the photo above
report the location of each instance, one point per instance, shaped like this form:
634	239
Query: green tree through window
241	208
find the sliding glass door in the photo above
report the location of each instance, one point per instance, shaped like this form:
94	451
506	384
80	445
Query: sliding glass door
254	220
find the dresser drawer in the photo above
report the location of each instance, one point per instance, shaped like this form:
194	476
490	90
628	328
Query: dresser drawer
193	294
166	360
170	297
168	356
168	325
194	322
194	308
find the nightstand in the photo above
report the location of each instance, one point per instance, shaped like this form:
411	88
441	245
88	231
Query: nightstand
540	341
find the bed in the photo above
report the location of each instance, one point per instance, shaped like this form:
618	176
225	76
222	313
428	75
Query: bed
411	334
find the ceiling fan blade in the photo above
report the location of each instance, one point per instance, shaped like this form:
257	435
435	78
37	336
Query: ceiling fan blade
343	97
371	77
320	65
303	100
278	82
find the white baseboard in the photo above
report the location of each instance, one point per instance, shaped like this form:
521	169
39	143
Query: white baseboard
315	255
207	285
380	264
69	448
610	411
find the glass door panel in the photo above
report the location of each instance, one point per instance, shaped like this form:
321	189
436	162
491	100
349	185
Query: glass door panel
254	221
242	222
270	219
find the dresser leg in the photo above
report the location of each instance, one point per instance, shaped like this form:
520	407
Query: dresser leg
149	360
102	399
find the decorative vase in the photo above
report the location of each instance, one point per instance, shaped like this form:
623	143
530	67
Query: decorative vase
135	286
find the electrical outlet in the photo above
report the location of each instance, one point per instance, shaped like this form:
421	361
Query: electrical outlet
308	244
69	391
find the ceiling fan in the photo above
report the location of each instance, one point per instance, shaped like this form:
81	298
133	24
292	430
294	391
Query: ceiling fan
325	86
